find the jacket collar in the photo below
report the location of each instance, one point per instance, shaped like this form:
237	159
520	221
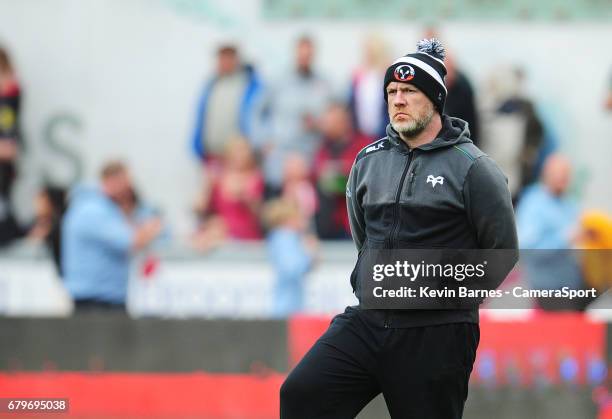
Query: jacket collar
454	131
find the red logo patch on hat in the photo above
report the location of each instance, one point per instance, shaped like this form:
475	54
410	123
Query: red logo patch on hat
404	73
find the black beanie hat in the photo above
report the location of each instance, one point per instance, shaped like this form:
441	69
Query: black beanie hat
425	69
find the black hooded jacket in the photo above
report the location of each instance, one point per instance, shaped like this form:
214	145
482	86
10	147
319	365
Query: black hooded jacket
443	194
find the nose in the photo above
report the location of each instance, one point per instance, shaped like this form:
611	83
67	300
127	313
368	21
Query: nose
399	99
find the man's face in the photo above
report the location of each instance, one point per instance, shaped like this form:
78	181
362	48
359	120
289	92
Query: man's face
304	55
410	111
557	174
227	62
118	186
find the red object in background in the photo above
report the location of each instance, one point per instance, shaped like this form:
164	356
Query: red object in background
149	266
237	211
557	334
216	396
344	159
11	89
152	395
302	332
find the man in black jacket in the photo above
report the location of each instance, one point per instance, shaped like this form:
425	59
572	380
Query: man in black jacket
425	185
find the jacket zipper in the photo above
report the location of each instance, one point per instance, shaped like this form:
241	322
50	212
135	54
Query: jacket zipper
387	321
397	199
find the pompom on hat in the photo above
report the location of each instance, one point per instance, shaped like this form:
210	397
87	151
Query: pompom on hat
425	69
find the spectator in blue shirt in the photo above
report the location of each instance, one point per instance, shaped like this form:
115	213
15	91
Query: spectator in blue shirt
547	224
99	238
291	253
546	217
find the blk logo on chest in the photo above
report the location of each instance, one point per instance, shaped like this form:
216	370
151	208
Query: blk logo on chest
434	180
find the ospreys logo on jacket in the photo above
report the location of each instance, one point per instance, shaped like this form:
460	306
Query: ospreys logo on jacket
443	194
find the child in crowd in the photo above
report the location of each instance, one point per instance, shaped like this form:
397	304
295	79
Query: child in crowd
291	253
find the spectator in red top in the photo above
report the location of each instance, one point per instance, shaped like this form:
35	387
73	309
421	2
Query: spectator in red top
235	194
298	188
332	166
9	147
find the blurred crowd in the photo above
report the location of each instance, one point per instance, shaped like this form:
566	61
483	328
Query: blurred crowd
275	156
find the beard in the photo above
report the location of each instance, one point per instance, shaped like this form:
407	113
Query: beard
416	126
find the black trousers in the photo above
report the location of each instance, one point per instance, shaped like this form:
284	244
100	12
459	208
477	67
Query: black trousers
423	372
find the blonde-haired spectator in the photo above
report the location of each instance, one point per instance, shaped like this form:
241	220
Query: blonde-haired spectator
229	205
291	252
367	105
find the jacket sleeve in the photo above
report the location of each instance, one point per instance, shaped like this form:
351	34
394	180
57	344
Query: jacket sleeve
197	145
355	210
111	233
489	206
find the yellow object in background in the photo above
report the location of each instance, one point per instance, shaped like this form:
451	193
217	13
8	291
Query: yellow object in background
7	118
596	241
